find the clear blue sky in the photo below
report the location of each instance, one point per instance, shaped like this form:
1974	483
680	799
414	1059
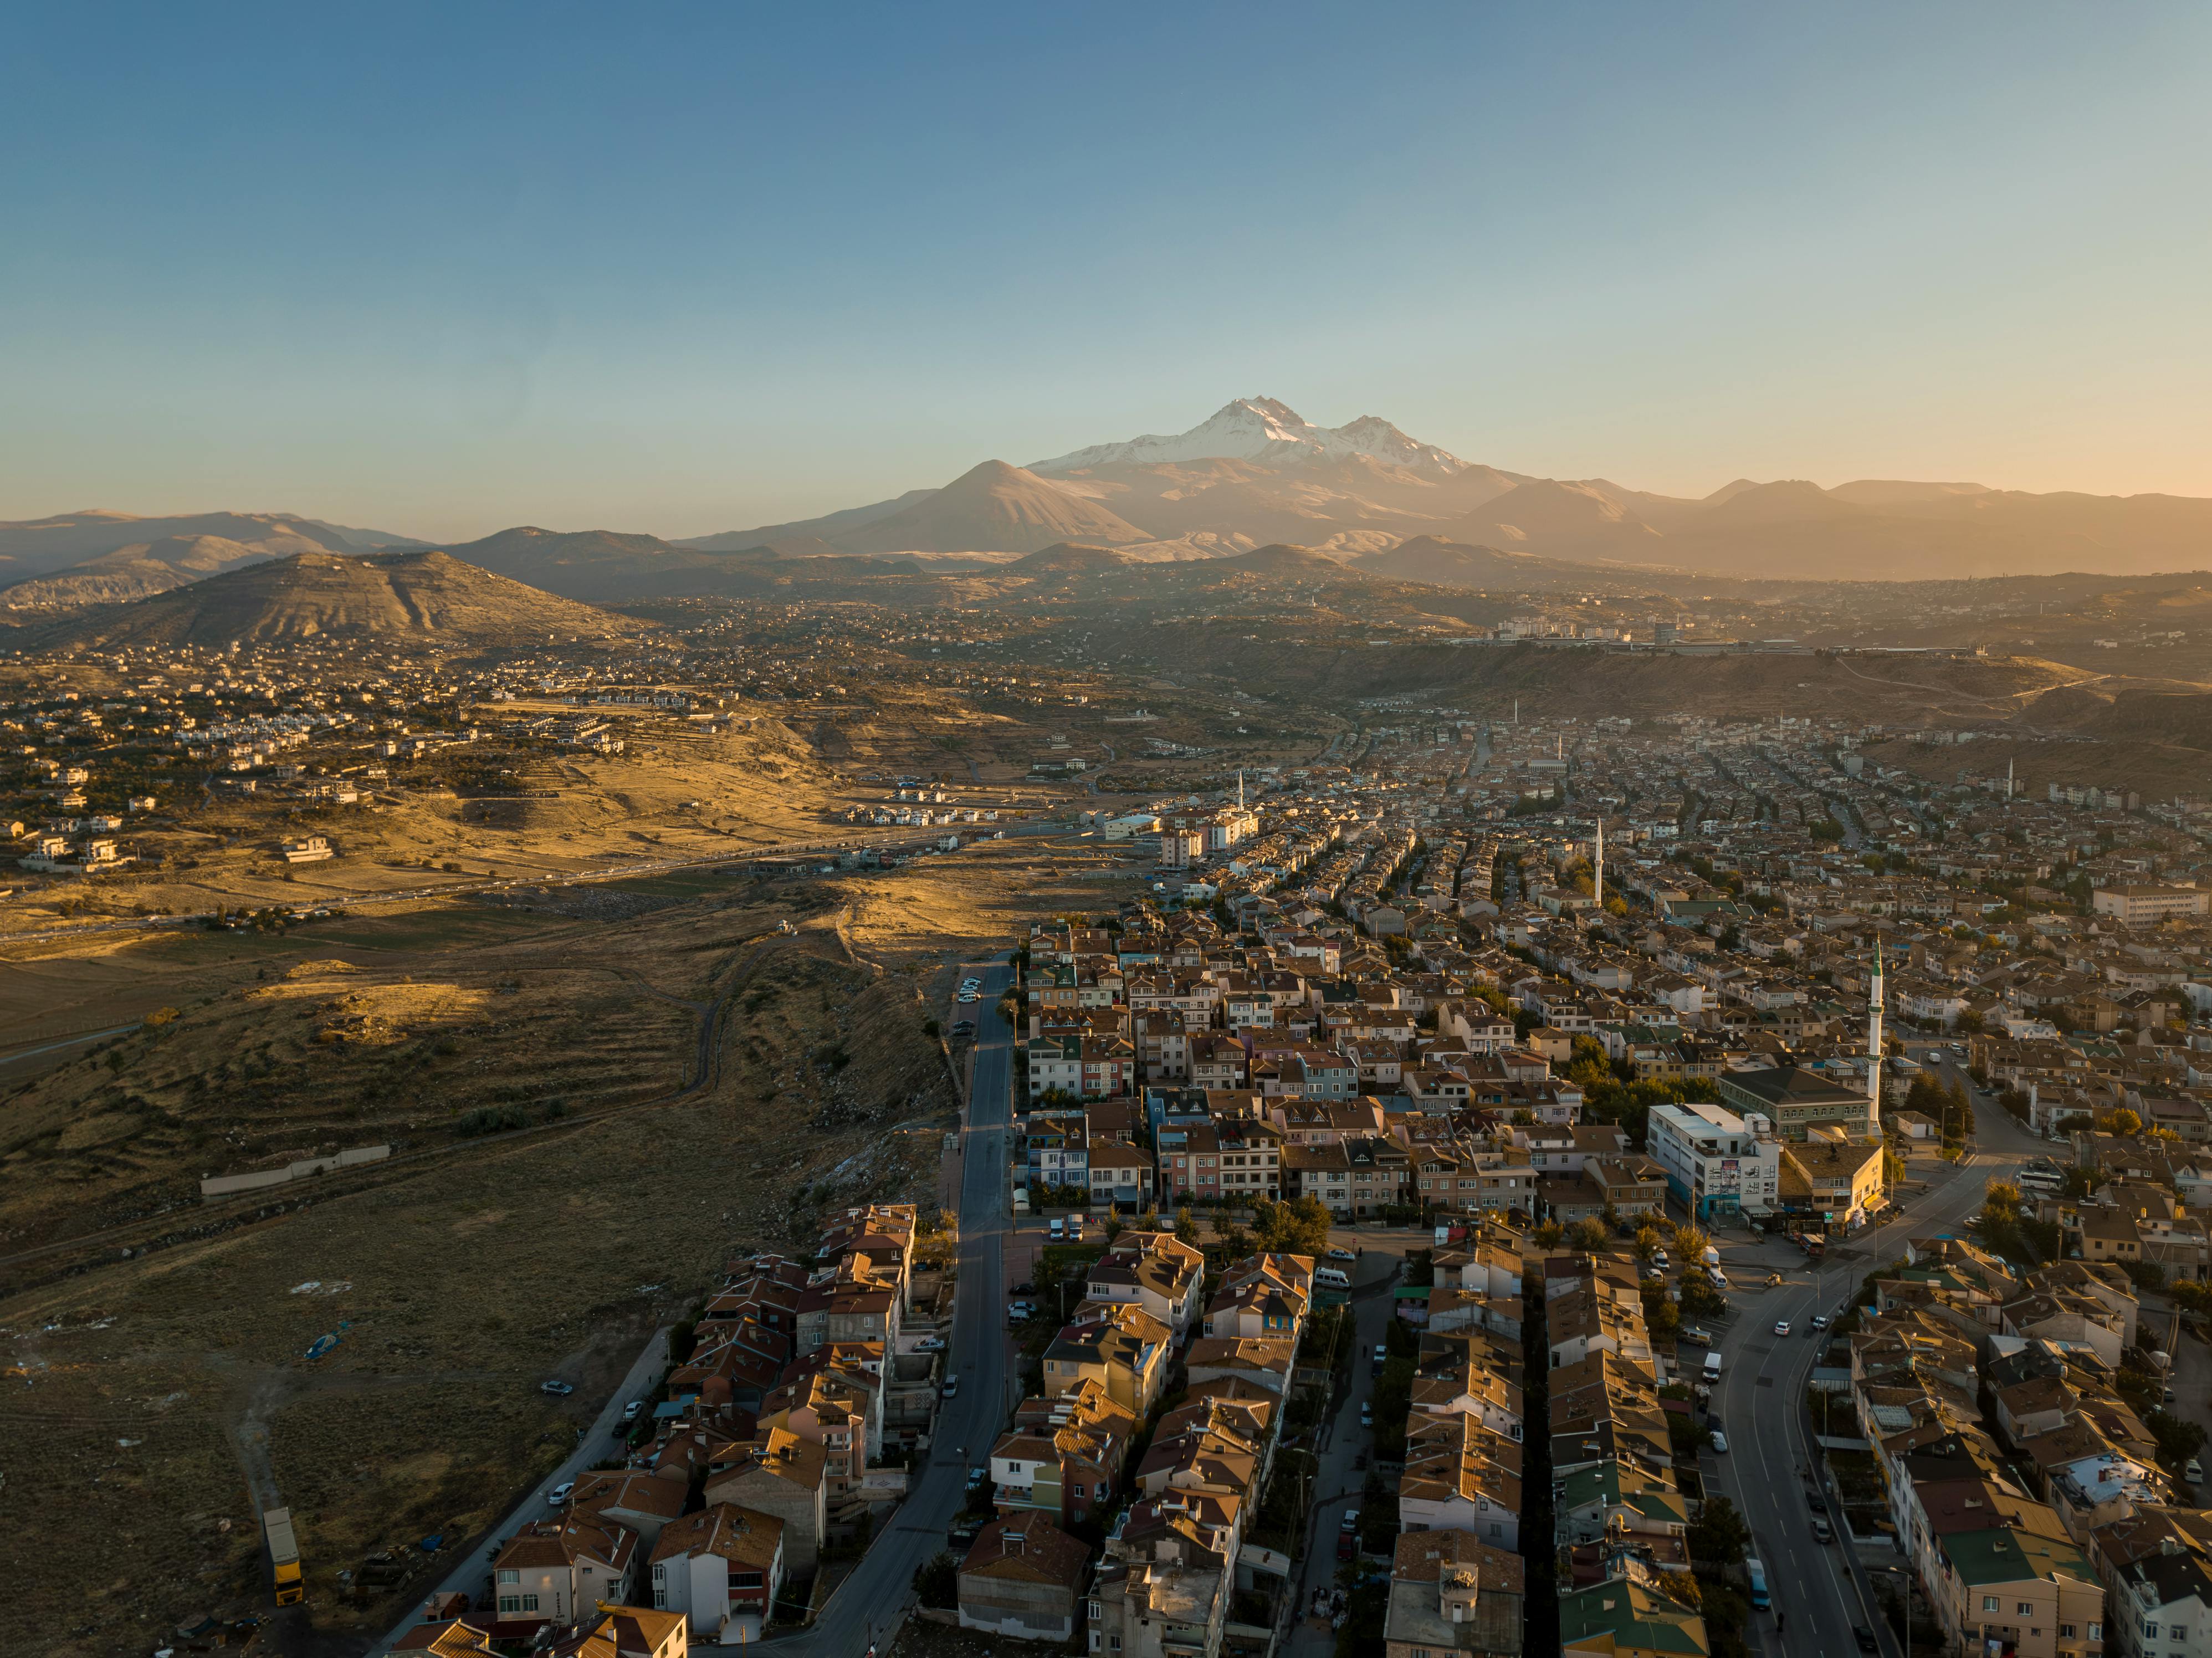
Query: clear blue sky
443	268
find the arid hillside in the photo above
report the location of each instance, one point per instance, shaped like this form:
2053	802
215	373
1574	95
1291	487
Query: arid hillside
411	600
592	1096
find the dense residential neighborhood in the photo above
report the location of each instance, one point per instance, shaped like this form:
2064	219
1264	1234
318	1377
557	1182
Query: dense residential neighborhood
1416	1148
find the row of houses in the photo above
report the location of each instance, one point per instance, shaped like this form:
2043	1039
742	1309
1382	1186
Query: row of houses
768	1444
1202	1385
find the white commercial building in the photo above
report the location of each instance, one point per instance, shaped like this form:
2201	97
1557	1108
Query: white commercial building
1718	1165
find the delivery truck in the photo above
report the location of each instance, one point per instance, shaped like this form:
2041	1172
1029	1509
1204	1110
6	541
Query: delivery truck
283	1556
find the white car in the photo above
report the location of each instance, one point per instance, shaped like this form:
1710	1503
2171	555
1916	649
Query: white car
1819	1320
559	1494
951	1387
1720	1441
1781	1327
1339	1253
969	998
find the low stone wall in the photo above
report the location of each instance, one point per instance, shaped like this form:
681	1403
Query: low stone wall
224	1186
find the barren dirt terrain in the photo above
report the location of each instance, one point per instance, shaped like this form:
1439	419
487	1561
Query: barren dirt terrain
153	1399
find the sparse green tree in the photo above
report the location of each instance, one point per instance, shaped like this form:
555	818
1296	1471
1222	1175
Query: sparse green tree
1587	1235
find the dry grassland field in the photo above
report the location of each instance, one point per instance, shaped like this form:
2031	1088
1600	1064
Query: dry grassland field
594	1094
674	795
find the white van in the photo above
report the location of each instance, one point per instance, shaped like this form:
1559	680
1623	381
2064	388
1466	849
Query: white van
1058	1228
1712	1367
1329	1279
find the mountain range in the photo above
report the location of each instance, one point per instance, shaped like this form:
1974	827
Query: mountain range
100	557
1255	473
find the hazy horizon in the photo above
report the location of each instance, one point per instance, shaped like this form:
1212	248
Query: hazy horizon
438	274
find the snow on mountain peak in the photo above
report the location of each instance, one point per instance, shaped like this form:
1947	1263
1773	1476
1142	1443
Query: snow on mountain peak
1271	432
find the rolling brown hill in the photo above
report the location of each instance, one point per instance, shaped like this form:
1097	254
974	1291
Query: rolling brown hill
991	508
134	572
1443	563
424	601
1571	520
35	547
608	566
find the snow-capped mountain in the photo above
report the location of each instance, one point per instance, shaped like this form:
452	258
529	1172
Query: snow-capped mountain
1270	433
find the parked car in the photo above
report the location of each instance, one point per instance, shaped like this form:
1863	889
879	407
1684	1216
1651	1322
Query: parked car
1703	1338
1380	1356
1347	1545
1819	1320
930	1345
979	1475
560	1493
968	998
951	1387
2193	1473
1659	1259
1719	1440
1348	1520
1781	1327
1023	1289
1864	1637
558	1389
965	1027
1366	1414
1339	1253
1813	1502
1822	1531
632	1411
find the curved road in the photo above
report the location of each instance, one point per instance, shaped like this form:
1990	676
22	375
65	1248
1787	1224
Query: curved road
1820	1591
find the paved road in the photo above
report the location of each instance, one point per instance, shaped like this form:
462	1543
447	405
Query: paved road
471	1571
867	1603
1343	1443
1821	1591
13	1054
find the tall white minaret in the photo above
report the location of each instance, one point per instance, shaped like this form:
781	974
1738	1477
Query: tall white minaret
1240	788
1600	862
1873	1045
2008	780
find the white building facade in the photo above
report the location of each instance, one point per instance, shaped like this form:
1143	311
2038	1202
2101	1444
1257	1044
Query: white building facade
1719	1165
